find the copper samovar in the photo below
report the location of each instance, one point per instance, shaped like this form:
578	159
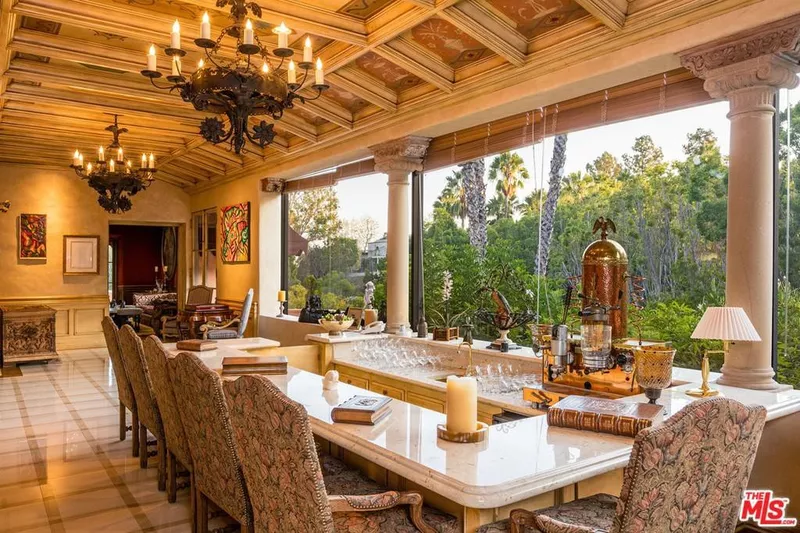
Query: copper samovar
605	278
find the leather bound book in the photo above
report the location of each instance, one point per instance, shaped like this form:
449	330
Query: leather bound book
365	410
196	345
604	416
274	365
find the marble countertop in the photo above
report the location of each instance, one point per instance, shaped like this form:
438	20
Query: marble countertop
227	348
518	460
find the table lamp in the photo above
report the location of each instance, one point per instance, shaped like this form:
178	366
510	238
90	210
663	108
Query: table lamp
728	324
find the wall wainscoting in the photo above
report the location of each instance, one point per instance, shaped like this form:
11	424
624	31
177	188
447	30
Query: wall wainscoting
78	318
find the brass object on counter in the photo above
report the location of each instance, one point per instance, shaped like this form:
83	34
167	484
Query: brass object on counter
705	390
605	277
479	435
470	371
653	369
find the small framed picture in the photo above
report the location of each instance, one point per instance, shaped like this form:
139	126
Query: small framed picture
81	254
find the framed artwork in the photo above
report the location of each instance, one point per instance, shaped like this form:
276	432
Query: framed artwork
32	236
81	254
235	232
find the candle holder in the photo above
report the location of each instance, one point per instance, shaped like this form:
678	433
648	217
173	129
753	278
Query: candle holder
280	308
479	435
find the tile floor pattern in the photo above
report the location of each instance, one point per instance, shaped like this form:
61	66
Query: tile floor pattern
62	466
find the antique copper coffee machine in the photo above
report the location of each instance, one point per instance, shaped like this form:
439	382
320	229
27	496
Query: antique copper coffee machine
600	361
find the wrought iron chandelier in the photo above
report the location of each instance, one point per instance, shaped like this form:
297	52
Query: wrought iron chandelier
115	179
236	86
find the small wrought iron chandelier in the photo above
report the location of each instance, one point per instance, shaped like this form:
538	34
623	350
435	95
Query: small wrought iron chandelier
235	86
114	178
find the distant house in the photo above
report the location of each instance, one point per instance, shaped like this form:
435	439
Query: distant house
376	250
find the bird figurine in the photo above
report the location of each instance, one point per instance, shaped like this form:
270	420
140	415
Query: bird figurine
5	206
604	224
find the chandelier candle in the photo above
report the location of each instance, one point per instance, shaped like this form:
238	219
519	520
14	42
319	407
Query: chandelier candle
152	162
151	58
176	66
248	32
283	35
76	159
175	36
101	155
292	74
319	76
205	27
307	51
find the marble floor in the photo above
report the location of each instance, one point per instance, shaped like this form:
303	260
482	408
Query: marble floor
62	466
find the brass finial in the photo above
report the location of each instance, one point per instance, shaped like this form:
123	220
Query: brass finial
604	224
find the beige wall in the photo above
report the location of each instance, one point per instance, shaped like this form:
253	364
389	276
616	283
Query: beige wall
71	209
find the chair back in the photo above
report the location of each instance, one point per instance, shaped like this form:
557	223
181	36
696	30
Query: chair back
124	390
199	295
157	357
136	366
689	474
248	303
279	459
201	403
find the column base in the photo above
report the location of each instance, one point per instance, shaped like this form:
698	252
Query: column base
394	328
750	378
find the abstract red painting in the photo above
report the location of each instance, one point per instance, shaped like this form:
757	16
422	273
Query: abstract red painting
32	236
235	229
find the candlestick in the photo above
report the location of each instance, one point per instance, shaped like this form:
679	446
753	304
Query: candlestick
76	158
176	66
176	35
248	32
151	59
205	27
292	73
101	154
307	51
319	76
283	35
462	404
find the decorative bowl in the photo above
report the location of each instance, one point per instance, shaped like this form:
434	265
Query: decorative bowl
653	369
335	327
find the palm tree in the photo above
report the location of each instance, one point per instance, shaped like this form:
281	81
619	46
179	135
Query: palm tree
453	198
475	196
509	171
499	205
557	163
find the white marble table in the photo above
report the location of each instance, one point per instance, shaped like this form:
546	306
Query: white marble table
519	459
227	348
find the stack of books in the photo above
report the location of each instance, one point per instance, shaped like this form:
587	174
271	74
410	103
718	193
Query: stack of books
604	416
239	366
364	410
196	345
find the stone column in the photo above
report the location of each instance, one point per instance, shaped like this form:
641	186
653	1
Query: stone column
747	70
398	159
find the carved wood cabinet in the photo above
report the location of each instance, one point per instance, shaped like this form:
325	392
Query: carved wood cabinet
27	334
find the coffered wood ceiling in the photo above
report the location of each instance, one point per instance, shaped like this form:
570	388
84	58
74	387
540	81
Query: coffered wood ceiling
69	64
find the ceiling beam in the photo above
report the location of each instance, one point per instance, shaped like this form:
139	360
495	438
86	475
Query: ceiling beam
612	13
364	86
330	111
481	22
415	66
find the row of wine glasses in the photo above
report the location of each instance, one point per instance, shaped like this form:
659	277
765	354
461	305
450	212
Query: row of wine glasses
502	378
399	356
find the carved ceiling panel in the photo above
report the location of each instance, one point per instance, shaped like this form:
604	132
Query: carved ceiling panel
394	77
346	99
533	17
364	8
455	47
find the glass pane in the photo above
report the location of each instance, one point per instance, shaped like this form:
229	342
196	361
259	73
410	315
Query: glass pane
211	228
197	268
211	269
197	231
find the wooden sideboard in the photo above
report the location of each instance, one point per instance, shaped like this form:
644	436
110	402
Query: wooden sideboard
27	334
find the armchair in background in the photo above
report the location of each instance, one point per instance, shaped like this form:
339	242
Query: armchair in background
171	325
213	331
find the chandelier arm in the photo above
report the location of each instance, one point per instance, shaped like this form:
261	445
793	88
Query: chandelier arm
165	88
211	58
310	99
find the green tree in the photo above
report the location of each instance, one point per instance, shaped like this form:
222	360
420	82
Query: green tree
509	173
453	197
314	213
339	254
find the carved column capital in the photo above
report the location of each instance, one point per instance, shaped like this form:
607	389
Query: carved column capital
404	154
275	185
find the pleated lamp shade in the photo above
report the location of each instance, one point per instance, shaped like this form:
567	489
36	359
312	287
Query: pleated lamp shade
726	324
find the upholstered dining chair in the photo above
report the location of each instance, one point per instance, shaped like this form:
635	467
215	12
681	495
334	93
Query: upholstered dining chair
217	471
127	401
149	414
688	475
214	331
286	484
177	447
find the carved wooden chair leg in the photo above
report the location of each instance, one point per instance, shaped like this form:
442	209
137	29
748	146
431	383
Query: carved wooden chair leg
143	455
414	501
162	464
202	512
135	432
521	520
123	426
172	478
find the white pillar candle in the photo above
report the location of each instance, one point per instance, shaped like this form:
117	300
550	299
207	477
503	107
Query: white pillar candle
152	162
176	35
76	158
144	161
462	404
205	27
283	35
292	73
248	32
111	165
101	154
319	77
176	66
307	51
151	59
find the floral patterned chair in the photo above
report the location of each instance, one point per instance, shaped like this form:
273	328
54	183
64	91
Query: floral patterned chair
217	471
177	447
124	390
687	475
287	487
149	414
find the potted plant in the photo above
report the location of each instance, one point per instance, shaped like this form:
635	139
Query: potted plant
445	327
